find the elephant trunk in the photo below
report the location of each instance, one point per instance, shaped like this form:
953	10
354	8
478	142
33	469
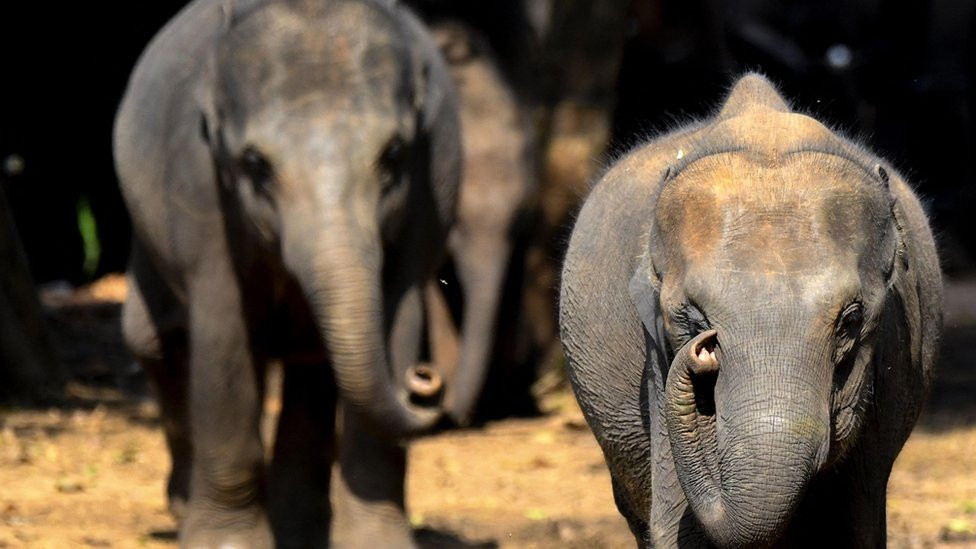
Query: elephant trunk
481	269
769	441
341	277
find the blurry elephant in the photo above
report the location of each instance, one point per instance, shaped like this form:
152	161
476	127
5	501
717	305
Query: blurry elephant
559	60
496	188
292	172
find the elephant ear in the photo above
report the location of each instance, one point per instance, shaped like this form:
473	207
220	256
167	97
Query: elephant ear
210	132
205	91
647	300
225	15
435	107
203	95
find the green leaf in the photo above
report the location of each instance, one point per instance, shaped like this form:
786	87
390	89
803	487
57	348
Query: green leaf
89	237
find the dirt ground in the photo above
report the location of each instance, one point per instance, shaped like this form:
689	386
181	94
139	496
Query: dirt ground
91	473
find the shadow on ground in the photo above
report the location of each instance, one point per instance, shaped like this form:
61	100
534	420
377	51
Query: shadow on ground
164	535
429	538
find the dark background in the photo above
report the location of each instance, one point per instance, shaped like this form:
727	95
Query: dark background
907	90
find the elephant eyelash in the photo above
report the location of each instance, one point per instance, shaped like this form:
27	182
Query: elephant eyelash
257	168
390	163
691	319
850	321
848	330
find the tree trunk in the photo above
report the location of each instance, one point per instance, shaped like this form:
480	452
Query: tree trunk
28	369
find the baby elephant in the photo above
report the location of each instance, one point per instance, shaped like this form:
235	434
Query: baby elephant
292	171
751	308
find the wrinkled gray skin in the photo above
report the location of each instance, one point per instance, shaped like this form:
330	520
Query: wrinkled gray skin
495	188
292	172
751	308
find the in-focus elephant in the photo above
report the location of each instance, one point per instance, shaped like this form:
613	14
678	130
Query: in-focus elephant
496	188
292	172
751	308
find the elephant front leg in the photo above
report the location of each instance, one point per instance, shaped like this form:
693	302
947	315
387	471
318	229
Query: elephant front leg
304	450
851	499
225	508
369	490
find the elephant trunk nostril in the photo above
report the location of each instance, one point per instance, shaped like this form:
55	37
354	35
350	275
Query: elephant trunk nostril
425	385
703	353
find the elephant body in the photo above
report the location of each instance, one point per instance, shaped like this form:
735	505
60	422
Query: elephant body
292	172
751	309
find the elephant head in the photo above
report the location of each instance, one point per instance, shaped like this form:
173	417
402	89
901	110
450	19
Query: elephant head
770	267
323	119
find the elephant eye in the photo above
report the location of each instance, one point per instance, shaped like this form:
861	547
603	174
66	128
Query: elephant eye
256	167
391	162
696	319
690	320
849	325
848	330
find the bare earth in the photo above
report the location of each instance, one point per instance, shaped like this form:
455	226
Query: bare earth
91	473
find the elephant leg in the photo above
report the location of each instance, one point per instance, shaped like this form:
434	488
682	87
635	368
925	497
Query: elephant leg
851	499
225	508
304	450
368	491
153	325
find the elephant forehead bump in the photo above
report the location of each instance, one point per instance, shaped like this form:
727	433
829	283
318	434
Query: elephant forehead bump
753	91
735	211
765	189
756	120
292	53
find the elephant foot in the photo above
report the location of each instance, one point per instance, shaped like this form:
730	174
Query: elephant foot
362	522
368	490
239	529
376	531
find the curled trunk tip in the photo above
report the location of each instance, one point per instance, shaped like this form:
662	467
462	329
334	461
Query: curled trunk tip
731	513
346	295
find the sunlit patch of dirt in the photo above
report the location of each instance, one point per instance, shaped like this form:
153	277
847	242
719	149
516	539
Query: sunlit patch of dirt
82	478
932	491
